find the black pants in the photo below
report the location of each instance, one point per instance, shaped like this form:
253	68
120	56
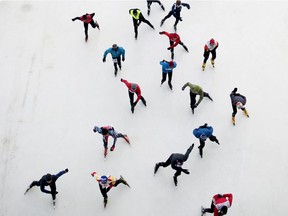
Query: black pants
164	75
104	191
131	97
177	17
92	23
212	138
150	2
207	53
52	187
193	98
118	62
211	209
136	24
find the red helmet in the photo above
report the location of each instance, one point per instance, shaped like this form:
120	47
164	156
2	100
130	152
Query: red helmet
212	41
171	63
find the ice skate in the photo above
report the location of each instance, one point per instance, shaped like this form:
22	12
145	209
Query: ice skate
209	97
156	168
203	66
175	180
202	211
86	38
175	28
246	113
171	87
186	48
148	12
112	148
212	62
105	201
115	71
125	137
54	204
162	22
163	8
233	120
27	190
124	181
105	153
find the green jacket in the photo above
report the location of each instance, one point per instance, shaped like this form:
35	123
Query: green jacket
195	89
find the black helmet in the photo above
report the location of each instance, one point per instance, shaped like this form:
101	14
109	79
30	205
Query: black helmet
223	210
48	177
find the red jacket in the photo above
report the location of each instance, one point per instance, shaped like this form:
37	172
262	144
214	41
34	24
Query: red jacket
175	38
220	201
88	18
133	88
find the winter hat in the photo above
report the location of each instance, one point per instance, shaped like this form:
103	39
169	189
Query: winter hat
203	137
239	105
171	64
103	179
212	41
48	177
178	2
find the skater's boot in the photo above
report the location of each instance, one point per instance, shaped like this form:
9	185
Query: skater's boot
246	113
212	62
162	22
112	148
125	137
203	66
86	38
27	190
192	108
136	36
148	12
175	27
124	181
186	48
233	120
162	6
207	95
175	180
170	86
157	165
202	211
105	201
105	152
120	66
132	109
115	71
144	102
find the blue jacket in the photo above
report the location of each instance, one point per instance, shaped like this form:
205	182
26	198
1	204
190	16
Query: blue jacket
115	53
208	130
166	68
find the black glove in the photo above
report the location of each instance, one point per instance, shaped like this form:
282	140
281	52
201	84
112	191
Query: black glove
123	59
121	80
56	192
104	59
73	19
161	32
235	90
194	106
169	48
188	6
186	171
66	170
183	88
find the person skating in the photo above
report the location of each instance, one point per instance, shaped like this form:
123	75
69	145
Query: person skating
149	5
219	205
106	183
238	101
167	68
194	91
175	11
107	131
116	53
137	18
134	88
202	133
87	19
174	40
210	47
176	161
48	180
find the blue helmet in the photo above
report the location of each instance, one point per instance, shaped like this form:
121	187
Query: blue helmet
103	179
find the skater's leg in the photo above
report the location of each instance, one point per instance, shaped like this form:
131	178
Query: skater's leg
164	75
143	100
214	139
202	145
86	31
170	79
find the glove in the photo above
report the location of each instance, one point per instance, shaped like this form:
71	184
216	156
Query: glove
123	59
188	6
104	59
183	88
161	32
205	125
93	173
235	90
186	171
95	129
66	170
56	192
169	48
121	80
192	145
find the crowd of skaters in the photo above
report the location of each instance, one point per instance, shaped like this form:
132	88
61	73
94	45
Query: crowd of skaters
220	202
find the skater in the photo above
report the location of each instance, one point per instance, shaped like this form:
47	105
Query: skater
175	11
210	46
134	88
176	161
174	40
87	19
149	5
116	53
219	205
167	68
48	180
238	101
194	91
202	133
137	18
107	131
106	183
